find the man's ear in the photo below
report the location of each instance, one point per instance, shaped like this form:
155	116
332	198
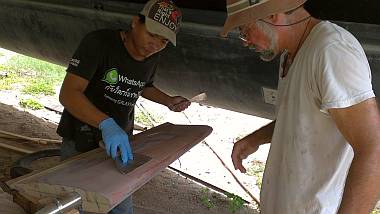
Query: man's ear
274	19
135	21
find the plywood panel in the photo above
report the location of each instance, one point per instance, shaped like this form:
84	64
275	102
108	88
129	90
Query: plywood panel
94	175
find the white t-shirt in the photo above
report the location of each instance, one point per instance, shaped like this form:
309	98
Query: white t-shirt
309	158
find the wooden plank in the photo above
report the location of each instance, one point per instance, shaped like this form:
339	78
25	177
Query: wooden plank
94	175
24	146
16	147
10	135
8	206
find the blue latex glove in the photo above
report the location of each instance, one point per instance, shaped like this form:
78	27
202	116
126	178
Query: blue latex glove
115	138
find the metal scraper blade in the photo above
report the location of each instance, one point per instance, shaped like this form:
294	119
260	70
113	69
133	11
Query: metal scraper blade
138	160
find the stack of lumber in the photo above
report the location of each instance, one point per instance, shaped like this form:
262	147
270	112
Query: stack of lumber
25	144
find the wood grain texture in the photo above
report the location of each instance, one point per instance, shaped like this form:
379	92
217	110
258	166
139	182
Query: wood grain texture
95	177
24	146
16	147
7	205
10	135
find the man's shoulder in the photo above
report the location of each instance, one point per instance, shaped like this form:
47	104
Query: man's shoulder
102	32
327	34
327	37
102	35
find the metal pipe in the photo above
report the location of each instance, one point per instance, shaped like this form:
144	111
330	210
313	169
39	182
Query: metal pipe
61	205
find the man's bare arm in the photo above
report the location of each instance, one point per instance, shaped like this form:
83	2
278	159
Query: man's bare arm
73	99
176	103
250	144
360	125
262	135
156	95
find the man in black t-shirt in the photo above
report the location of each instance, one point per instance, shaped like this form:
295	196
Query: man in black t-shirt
106	75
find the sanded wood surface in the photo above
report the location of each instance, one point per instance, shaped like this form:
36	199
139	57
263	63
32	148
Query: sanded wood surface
94	175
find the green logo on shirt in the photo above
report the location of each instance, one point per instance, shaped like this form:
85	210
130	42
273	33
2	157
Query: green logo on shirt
111	76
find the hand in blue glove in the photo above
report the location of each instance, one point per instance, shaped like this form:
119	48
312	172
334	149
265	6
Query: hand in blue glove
115	138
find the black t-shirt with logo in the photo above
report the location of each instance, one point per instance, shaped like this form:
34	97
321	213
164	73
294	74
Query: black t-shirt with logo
116	81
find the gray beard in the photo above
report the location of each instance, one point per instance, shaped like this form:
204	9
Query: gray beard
267	55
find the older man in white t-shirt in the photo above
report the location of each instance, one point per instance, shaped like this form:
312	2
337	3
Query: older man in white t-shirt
326	137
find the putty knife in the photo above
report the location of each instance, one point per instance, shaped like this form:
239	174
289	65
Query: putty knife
199	98
138	160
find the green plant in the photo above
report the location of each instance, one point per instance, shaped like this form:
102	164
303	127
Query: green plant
205	199
146	118
28	66
37	76
7	82
236	202
257	170
39	87
30	104
143	119
376	211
